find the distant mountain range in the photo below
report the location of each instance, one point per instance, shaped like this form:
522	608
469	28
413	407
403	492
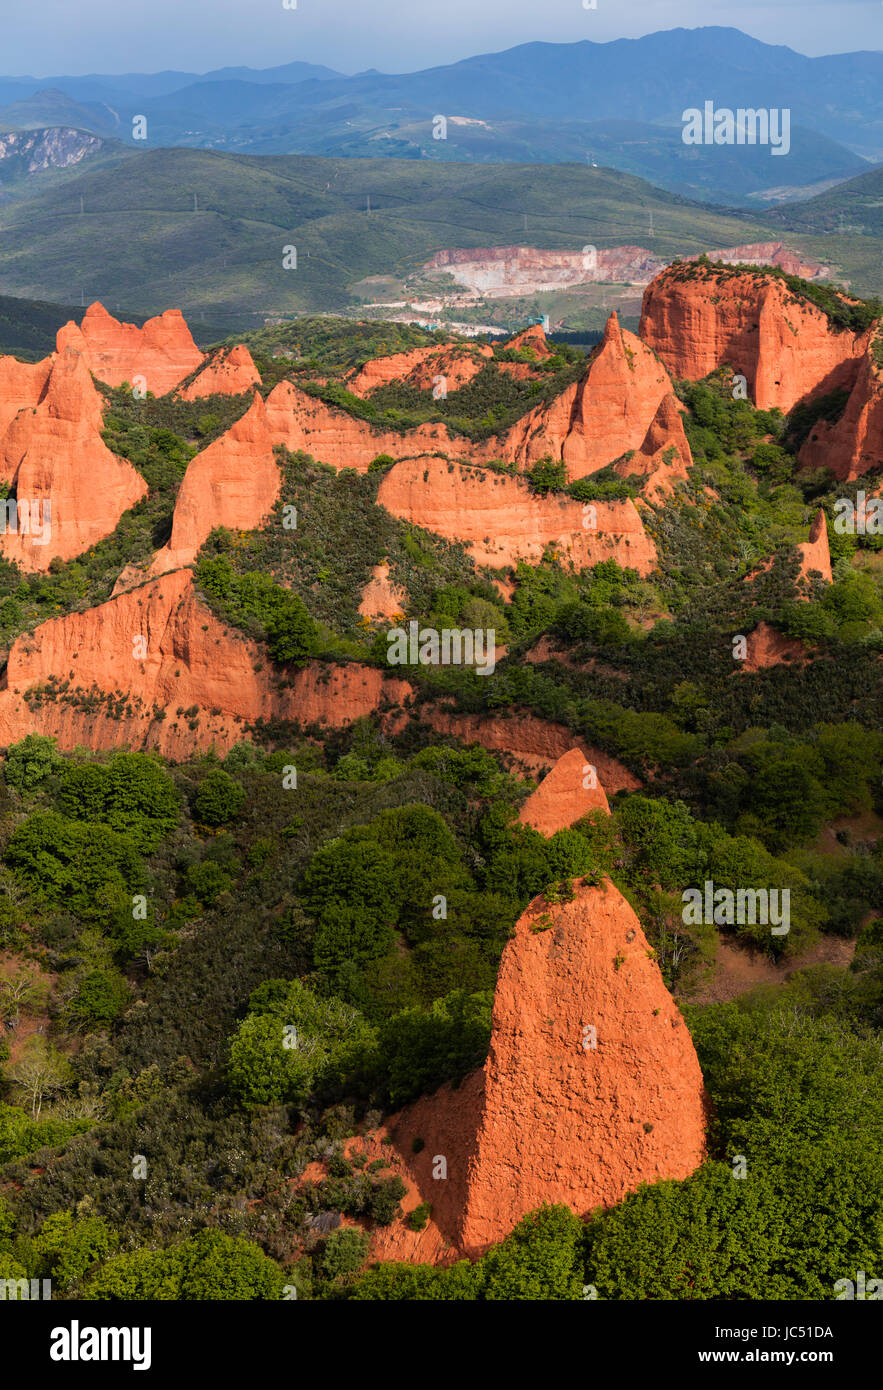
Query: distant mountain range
617	104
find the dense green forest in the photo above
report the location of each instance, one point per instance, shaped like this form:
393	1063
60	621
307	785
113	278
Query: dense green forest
159	921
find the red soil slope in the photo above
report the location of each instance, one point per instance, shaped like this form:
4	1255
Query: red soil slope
567	794
234	482
231	373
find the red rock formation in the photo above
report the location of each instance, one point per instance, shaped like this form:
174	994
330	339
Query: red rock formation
533	338
382	597
501	521
601	416
613	408
456	362
533	743
231	373
449	370
22	384
567	794
815	555
854	443
54	454
664	457
301	421
769	647
187	658
234	482
787	349
162	352
592	1085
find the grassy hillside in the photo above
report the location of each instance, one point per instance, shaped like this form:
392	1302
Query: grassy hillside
854	207
207	230
28	327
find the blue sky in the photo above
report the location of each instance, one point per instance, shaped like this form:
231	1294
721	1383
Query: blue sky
393	35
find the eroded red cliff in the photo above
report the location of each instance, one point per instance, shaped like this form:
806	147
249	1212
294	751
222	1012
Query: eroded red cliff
454	364
161	354
701	318
53	455
592	1085
853	445
234	483
301	421
230	372
608	412
532	742
382	597
123	674
815	554
563	797
22	384
500	521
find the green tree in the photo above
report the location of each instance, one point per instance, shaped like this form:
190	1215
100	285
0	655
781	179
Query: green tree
219	798
29	763
291	634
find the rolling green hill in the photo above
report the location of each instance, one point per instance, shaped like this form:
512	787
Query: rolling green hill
28	327
207	231
854	207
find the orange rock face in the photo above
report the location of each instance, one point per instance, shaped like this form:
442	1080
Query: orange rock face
381	596
613	408
234	482
55	457
664	458
592	1085
162	352
532	337
501	521
22	384
300	421
532	742
230	373
600	417
815	555
853	444
769	647
421	367
159	647
569	792
786	348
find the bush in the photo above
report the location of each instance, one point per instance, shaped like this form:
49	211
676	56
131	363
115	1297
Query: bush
219	798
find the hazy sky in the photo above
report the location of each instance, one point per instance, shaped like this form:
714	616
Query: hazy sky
394	35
